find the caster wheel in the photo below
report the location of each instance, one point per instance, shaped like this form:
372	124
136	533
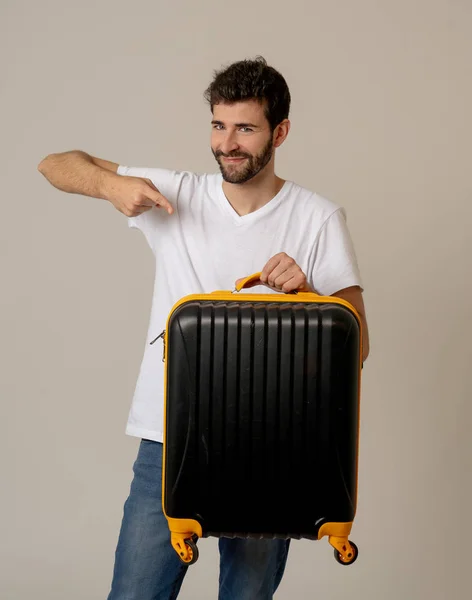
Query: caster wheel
347	561
192	555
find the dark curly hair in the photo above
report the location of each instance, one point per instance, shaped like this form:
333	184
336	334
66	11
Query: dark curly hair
251	80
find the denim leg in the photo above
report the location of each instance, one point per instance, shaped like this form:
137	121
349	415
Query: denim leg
146	565
251	569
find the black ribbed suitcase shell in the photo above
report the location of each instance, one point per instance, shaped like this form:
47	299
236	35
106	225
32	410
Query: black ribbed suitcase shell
261	419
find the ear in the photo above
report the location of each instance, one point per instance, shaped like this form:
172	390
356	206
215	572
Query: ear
281	133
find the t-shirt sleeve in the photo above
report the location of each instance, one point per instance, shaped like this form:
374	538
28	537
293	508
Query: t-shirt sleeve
335	264
168	182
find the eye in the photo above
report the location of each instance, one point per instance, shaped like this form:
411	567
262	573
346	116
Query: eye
246	129
218	126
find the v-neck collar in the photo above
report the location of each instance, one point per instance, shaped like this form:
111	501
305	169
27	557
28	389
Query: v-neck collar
254	215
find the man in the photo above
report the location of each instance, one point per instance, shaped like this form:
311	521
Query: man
206	232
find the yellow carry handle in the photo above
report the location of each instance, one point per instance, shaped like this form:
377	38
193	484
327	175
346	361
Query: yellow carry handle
242	284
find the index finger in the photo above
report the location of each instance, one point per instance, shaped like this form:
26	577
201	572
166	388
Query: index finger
160	200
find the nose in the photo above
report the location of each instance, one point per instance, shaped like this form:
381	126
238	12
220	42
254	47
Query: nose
229	143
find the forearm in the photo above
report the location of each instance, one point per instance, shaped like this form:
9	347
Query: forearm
353	295
365	338
76	173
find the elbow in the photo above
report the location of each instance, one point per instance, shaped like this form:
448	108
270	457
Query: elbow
43	165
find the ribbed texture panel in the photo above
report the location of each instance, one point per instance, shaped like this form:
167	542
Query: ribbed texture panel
257	388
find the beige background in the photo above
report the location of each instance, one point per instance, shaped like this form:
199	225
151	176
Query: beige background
380	124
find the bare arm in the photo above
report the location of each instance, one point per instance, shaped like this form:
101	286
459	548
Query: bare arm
353	295
76	172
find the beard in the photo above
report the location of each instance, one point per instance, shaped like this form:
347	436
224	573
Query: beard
240	173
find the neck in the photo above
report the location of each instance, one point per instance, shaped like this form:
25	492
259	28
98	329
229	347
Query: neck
248	197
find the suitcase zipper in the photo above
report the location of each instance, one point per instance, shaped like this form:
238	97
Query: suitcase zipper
161	335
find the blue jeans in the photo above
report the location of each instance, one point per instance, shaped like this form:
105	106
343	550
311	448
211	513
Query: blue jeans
148	568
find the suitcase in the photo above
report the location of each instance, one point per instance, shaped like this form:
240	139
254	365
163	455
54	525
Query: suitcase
261	418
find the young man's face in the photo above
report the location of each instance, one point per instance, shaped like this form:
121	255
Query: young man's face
241	140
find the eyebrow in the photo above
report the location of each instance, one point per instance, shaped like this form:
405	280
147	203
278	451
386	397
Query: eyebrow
236	124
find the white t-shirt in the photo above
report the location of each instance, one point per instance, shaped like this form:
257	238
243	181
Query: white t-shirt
206	246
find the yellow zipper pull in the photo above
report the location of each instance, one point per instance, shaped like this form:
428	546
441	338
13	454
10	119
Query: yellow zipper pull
161	335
